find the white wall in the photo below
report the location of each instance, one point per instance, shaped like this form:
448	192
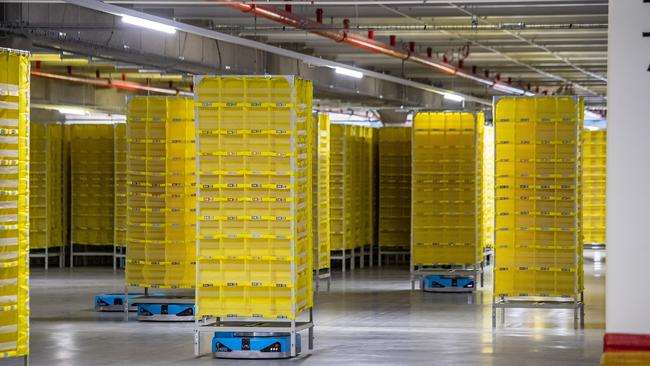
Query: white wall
628	171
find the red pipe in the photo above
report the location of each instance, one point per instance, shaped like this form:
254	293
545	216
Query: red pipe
392	39
371	34
292	20
108	83
288	7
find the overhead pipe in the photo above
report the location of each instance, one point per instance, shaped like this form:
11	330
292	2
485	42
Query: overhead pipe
110	83
292	20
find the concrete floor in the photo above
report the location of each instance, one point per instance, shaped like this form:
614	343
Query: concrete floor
371	317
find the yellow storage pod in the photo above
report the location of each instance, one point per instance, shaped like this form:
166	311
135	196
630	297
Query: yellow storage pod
120	189
92	184
594	184
367	180
336	188
352	192
322	243
538	251
161	193
445	214
46	190
254	197
486	198
394	191
14	211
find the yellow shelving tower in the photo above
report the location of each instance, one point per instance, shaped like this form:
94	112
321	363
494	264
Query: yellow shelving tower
46	190
322	244
161	199
486	198
594	184
367	182
92	175
119	226
538	251
14	211
254	265
394	192
445	214
338	218
352	203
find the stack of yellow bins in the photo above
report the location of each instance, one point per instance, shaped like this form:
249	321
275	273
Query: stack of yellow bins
254	197
45	195
14	208
352	210
338	222
120	187
394	190
367	180
444	190
92	183
594	182
486	198
538	240
161	214
322	246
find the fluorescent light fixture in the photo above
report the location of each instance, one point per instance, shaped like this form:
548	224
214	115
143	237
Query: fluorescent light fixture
347	72
454	97
72	111
144	23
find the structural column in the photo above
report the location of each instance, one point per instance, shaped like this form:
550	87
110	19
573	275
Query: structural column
628	174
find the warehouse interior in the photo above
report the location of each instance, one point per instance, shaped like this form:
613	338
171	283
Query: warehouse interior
313	182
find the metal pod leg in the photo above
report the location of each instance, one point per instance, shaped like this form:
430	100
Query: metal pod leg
293	338
126	304
311	329
494	315
362	259
329	282
197	339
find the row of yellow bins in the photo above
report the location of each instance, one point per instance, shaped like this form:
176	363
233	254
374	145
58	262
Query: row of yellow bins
394	154
46	194
352	190
594	175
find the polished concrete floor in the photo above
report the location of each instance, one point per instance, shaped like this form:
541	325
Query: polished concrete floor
370	317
